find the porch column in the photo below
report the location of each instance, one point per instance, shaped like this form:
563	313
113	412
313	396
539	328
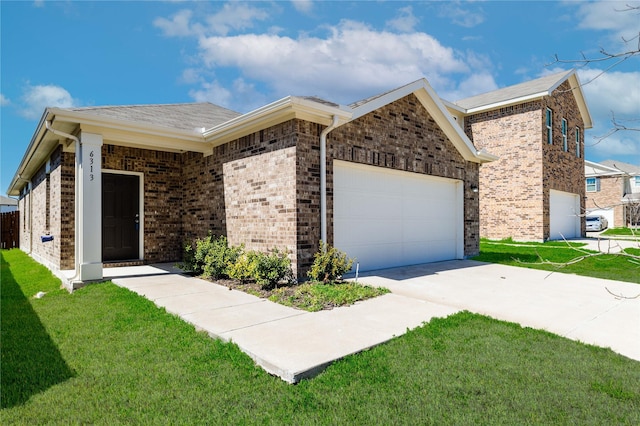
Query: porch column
90	207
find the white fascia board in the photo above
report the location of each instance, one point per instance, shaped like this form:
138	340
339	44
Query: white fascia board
600	170
274	113
86	119
388	98
454	132
28	159
576	86
508	102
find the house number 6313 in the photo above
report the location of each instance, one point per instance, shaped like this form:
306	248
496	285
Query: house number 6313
91	165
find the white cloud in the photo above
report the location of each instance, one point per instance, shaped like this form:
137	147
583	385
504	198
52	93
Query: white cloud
303	6
235	16
4	101
610	16
178	26
405	21
232	16
37	98
462	15
242	93
353	61
611	91
609	94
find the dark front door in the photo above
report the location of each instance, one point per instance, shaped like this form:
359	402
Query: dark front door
120	217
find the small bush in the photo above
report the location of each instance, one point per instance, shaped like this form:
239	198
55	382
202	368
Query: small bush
220	258
244	269
209	256
266	269
273	267
329	264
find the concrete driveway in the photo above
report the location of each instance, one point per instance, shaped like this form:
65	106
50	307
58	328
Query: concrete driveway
295	344
601	312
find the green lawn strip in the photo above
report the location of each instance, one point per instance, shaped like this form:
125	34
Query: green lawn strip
608	266
622	231
123	360
509	241
317	296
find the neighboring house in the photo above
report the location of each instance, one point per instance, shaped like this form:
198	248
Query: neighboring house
613	191
535	191
8	204
392	180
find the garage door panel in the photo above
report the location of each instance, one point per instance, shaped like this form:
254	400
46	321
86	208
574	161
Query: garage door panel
564	215
388	218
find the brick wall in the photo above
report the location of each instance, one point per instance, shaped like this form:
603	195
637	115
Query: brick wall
563	170
260	201
514	190
609	196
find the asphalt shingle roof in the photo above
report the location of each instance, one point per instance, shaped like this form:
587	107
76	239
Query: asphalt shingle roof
625	167
179	116
513	92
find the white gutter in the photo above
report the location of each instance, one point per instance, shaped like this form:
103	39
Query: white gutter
323	179
76	218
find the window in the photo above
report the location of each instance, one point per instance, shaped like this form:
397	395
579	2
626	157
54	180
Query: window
565	145
549	123
593	184
637	180
578	140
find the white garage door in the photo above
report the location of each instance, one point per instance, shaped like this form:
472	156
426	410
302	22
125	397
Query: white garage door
564	210
386	218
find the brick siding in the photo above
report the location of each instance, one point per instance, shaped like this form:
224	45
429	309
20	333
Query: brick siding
514	190
609	196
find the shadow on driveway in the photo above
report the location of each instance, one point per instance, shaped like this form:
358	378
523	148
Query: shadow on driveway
416	271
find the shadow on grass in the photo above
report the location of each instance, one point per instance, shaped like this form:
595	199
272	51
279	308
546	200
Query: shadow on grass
31	362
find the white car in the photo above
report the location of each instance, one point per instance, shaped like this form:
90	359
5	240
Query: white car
596	223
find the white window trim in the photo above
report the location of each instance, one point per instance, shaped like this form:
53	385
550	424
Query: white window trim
549	124
595	185
578	141
563	129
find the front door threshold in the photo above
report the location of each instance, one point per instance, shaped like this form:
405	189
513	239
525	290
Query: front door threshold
122	263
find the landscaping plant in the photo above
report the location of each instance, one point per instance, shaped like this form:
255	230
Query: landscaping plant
329	264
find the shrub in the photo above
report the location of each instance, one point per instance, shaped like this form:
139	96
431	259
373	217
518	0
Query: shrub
220	257
194	254
329	264
273	267
210	256
266	269
244	269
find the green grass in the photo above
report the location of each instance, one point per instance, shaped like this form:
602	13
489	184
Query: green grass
316	296
104	355
533	255
622	231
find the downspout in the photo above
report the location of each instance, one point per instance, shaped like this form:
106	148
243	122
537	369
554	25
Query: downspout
75	197
323	179
30	186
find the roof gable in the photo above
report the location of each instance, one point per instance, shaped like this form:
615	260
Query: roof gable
434	106
528	91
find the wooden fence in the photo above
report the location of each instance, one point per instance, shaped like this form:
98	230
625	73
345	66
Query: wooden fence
10	230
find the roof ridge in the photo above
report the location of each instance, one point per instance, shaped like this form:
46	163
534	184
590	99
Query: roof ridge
522	83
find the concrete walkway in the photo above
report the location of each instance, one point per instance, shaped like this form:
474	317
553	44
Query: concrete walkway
295	344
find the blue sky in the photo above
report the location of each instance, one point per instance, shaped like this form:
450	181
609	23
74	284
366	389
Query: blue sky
243	55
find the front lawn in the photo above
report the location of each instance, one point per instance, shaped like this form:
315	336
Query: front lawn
555	256
104	355
626	232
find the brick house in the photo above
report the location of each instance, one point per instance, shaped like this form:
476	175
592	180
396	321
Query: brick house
392	180
613	191
535	191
